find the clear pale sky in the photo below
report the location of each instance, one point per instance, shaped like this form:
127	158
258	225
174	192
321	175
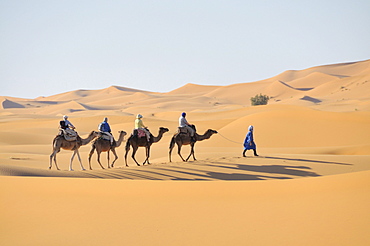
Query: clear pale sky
49	47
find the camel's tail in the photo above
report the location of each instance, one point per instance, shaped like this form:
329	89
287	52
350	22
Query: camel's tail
55	142
93	147
128	144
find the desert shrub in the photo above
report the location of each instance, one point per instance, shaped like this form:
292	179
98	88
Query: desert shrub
259	100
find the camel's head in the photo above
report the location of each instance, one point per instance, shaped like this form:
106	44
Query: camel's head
212	131
123	133
163	129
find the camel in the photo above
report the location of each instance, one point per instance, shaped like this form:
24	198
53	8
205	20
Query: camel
60	143
137	142
184	139
101	145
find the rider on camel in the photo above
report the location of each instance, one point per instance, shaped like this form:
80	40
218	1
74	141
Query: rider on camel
140	125
184	123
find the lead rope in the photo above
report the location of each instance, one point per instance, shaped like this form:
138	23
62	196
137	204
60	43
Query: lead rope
228	139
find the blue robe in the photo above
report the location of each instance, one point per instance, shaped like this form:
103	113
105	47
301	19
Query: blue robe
104	127
249	142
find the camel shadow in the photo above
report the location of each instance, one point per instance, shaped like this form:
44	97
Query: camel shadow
298	171
234	168
240	176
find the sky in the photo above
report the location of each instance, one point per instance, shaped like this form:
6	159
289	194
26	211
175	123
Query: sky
49	47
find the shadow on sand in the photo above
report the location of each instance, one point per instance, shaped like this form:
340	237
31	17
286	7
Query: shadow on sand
233	168
307	160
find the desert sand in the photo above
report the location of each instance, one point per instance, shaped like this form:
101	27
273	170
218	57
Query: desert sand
310	184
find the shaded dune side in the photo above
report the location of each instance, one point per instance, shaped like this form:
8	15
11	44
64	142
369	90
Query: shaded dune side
311	81
6	104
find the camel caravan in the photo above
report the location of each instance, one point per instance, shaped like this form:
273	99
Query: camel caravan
103	141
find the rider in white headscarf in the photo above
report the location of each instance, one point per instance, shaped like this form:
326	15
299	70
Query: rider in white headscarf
67	123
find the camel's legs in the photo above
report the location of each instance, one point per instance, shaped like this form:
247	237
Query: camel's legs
108	157
99	153
191	152
55	161
53	156
70	164
147	149
79	158
51	160
90	155
134	149
115	157
148	155
179	151
187	158
127	150
172	144
169	153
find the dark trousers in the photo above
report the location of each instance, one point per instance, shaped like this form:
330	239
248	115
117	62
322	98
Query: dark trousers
254	151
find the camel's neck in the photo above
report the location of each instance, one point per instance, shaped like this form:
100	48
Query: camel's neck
88	139
206	135
159	137
120	139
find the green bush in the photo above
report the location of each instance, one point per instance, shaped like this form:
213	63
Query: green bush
259	100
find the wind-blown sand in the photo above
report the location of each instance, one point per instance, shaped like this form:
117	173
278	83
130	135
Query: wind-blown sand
309	186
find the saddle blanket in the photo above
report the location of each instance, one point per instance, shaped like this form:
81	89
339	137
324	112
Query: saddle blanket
141	133
183	130
69	134
104	136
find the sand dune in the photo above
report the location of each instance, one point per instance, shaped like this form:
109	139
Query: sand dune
308	186
193	89
326	85
10	104
311	81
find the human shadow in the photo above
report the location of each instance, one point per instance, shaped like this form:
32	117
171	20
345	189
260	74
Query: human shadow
307	160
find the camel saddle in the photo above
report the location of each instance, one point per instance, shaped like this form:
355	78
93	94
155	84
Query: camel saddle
104	136
182	130
69	134
139	132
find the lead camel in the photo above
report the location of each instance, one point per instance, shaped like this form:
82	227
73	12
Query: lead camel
185	139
